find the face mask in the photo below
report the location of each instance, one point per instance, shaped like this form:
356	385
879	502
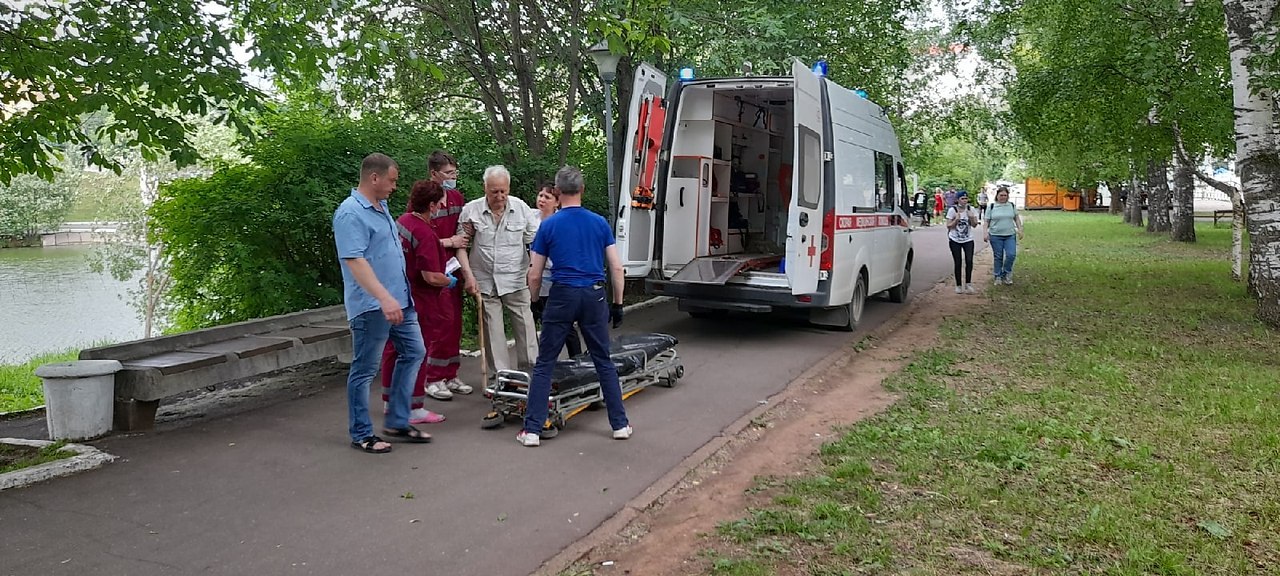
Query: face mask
450	184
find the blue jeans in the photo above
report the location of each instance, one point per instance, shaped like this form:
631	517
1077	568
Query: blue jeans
369	333
589	307
1005	251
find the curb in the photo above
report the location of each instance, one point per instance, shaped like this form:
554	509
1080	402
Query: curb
615	524
628	309
86	458
21	414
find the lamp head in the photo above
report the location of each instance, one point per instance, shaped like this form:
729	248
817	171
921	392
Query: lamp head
606	60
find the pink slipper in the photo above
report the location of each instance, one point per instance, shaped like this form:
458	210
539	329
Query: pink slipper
430	418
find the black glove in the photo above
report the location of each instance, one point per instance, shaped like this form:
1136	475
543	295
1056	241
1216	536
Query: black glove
615	314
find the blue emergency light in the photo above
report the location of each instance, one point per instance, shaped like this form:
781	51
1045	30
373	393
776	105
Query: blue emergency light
820	67
686	74
861	93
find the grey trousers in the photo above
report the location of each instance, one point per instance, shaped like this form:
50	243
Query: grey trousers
518	309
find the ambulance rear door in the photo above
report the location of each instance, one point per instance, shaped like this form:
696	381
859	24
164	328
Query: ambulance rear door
804	215
637	211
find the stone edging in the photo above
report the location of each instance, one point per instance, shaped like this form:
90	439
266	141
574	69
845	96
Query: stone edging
20	414
86	458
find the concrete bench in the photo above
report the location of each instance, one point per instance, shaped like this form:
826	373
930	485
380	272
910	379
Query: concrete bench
158	368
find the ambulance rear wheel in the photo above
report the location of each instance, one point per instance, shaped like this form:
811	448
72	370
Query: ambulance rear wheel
856	305
898	294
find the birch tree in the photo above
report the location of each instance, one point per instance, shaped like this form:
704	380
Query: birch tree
1251	31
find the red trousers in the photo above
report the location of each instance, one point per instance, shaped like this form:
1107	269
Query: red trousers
442	334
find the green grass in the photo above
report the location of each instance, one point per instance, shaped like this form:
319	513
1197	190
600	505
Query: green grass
1115	412
13	457
19	387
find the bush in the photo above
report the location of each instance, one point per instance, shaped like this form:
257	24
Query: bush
254	240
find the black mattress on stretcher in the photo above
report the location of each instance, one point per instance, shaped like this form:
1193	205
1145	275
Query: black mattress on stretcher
629	353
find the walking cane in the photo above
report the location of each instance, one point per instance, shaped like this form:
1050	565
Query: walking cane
484	357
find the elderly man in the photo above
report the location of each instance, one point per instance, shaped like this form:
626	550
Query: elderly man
497	228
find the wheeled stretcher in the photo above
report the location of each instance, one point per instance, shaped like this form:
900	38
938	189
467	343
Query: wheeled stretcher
642	360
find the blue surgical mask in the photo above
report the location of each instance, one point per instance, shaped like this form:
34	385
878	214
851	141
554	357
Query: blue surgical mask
450	184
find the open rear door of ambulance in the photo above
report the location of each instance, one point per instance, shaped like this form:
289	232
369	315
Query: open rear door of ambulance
637	211
804	215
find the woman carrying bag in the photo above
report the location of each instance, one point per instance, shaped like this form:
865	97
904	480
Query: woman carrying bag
1003	230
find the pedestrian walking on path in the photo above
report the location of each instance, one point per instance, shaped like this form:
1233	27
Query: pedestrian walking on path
1003	230
581	243
960	221
378	304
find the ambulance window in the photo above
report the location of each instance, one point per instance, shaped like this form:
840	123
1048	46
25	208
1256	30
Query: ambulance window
809	179
904	197
884	182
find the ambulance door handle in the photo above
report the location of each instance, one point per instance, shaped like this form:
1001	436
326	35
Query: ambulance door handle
804	219
682	196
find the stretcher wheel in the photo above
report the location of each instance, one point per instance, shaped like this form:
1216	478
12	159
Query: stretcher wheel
492	420
549	432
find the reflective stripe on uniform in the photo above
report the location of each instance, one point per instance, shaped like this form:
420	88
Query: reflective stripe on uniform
407	235
450	211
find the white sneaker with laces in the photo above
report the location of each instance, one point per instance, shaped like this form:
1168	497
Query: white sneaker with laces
528	439
622	433
439	391
458	387
1008	279
969	289
959	290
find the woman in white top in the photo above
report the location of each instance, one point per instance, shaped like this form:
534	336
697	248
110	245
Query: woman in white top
548	203
961	219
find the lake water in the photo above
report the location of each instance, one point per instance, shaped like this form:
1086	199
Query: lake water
51	301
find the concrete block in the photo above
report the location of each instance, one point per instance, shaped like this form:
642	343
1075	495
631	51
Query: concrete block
78	398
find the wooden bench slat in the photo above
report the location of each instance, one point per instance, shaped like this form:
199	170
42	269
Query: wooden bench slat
245	347
175	362
312	334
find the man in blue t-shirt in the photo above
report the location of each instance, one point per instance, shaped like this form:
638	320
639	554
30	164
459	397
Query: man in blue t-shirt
579	242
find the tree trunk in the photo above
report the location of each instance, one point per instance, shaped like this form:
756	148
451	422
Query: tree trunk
1134	204
1158	196
1116	206
1257	152
1237	236
1184	189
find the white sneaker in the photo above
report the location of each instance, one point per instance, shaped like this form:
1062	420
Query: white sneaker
969	289
1008	279
959	290
458	387
439	391
528	439
622	433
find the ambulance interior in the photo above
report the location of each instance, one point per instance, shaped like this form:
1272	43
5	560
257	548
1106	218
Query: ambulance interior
729	183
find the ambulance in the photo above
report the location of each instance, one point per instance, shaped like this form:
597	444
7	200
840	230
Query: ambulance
761	194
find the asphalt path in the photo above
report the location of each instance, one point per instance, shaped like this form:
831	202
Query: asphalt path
275	488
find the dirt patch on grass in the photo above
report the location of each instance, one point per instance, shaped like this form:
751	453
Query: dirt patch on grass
669	537
16	456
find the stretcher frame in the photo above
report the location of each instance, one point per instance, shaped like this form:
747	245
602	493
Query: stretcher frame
509	392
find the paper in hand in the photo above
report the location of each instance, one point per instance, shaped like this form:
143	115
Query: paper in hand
452	265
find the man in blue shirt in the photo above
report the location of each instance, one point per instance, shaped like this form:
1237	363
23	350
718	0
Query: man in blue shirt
579	242
376	296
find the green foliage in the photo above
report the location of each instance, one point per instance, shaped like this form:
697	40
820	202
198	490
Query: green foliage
256	239
30	205
20	389
154	65
1098	86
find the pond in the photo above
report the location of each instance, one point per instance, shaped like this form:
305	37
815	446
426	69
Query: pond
51	301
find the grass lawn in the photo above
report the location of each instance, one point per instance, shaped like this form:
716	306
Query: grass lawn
1115	412
19	387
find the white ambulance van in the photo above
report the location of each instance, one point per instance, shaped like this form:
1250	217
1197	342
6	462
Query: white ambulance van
756	194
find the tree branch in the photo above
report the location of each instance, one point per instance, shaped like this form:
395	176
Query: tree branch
1179	148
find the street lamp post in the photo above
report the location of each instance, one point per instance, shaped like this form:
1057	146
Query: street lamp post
607	65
